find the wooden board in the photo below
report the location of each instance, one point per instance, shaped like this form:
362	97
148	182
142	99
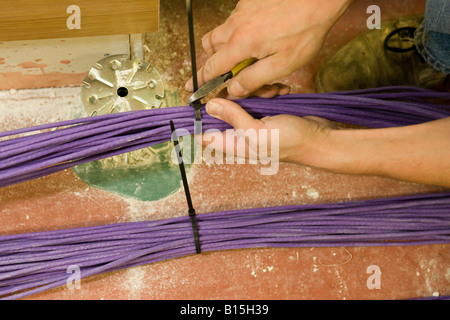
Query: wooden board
49	19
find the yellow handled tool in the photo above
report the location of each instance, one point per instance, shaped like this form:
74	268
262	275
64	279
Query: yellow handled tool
219	80
242	65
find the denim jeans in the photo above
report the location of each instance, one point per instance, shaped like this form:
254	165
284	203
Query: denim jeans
432	38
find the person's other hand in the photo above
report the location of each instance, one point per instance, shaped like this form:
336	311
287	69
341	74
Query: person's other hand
282	35
298	138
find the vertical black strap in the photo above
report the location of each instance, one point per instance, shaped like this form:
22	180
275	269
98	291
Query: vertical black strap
186	188
192	44
196	104
197	129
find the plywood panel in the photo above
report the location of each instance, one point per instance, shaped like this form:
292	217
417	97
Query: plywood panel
47	19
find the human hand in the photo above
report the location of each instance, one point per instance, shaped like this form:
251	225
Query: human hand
282	35
287	138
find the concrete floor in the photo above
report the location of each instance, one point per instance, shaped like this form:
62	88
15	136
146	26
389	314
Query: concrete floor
63	200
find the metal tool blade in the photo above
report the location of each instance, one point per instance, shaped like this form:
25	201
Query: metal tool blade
209	87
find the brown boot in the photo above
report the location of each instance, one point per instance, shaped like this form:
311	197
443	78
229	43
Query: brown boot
377	58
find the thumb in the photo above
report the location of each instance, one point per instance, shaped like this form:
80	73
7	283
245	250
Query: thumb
232	113
237	117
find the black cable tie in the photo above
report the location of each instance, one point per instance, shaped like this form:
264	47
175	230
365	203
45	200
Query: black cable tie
198	117
191	209
196	104
192	44
197	107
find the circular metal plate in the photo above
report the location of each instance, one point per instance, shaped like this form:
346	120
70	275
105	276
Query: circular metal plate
118	84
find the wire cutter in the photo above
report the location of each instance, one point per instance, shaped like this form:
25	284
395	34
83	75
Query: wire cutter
219	80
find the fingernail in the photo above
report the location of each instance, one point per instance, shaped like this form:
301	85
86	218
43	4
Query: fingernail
214	108
236	89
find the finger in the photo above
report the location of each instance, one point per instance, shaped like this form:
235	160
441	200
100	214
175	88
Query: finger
209	45
267	91
220	62
230	142
223	93
257	75
284	89
232	113
272	90
237	141
214	40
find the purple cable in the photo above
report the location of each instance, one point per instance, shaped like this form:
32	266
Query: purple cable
89	139
34	262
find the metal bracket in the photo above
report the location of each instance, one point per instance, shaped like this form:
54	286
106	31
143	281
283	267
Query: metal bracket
117	84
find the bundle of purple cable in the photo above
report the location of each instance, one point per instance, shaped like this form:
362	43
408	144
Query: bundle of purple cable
34	262
69	143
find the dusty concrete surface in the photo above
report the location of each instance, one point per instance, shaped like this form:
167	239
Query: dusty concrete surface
62	200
